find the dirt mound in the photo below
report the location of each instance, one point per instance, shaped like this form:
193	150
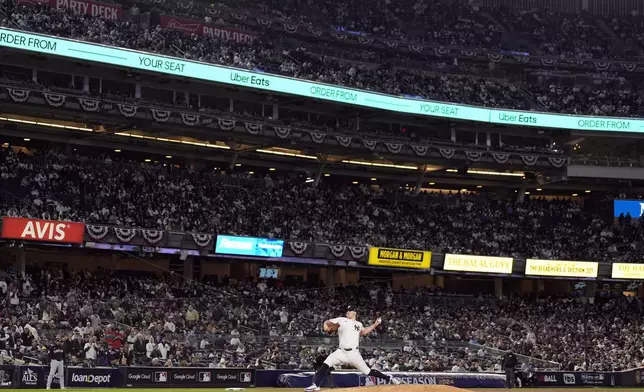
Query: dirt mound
404	388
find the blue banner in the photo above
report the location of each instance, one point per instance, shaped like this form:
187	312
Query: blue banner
354	379
249	246
632	207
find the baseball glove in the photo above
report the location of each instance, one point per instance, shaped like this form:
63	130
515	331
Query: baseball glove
330	327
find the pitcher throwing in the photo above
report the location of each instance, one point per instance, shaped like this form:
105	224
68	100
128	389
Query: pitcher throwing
349	332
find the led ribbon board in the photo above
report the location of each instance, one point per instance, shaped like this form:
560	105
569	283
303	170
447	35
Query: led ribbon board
562	268
219	74
400	258
482	264
249	246
629	271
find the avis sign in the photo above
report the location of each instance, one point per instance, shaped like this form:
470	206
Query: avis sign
28	229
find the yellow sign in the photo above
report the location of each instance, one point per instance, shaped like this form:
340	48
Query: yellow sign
400	258
485	264
627	271
572	269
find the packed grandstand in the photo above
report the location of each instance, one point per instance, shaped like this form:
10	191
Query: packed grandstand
408	68
497	57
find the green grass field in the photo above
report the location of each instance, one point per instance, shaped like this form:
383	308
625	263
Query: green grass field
326	389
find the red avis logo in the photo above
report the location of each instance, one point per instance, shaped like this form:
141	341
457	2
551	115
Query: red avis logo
49	231
42	230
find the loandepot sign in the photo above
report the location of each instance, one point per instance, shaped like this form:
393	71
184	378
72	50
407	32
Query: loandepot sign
214	73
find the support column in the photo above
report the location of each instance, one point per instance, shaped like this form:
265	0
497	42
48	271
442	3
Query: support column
452	132
233	161
188	270
321	166
137	90
86	84
21	261
231	105
522	191
276	112
498	287
330	277
488	139
419	179
34	75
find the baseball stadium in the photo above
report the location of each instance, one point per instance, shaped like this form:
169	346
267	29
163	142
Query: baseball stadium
274	196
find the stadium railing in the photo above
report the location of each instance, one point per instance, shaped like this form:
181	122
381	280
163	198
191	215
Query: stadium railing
539	363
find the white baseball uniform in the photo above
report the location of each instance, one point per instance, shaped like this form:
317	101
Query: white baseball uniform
348	353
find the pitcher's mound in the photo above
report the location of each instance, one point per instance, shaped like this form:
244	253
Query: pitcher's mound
403	388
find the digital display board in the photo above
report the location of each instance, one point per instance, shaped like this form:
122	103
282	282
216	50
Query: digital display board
249	246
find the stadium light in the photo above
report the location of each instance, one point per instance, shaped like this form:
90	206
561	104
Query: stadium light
488	173
375	164
286	154
44	124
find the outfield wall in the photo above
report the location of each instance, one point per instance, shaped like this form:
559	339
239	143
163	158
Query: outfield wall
35	377
356	379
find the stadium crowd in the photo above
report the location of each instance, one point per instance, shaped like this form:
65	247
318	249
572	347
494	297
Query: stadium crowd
116	318
271	53
105	191
106	318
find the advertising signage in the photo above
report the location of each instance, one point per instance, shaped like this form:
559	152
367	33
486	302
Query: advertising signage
562	268
189	378
483	264
575	379
219	74
400	258
633	207
249	246
628	271
28	229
